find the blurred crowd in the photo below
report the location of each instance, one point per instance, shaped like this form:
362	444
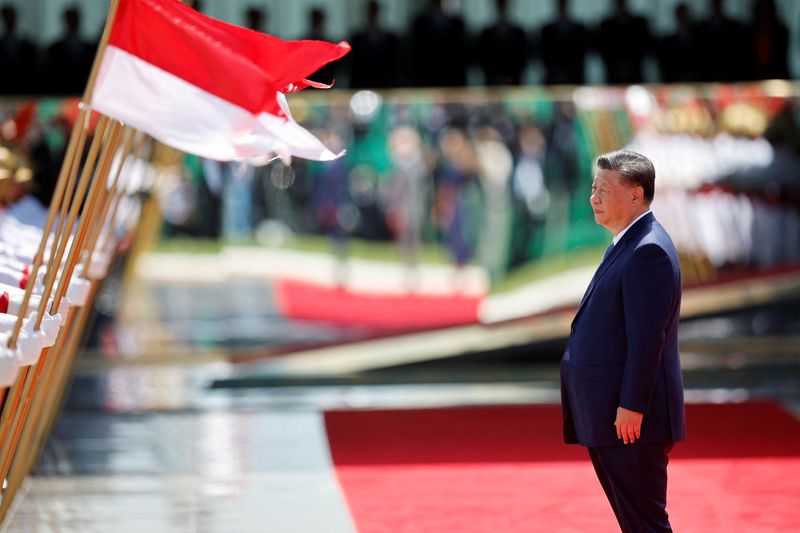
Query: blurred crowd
475	179
436	49
61	67
502	181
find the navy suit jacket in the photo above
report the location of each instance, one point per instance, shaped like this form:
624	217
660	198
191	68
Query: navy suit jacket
623	349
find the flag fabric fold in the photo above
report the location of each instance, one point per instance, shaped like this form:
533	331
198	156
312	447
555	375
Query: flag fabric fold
207	87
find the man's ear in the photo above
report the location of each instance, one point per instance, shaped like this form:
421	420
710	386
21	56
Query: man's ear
637	194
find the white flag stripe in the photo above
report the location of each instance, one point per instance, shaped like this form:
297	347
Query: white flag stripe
188	118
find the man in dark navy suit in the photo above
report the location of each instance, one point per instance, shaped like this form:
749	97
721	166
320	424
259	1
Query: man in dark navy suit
621	385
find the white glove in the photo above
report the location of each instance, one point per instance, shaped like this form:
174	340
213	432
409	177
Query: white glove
9	363
31	342
51	325
98	269
78	291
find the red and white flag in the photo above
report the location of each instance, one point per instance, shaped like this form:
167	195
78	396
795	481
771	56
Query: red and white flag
207	87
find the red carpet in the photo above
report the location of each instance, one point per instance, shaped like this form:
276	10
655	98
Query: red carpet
504	469
401	312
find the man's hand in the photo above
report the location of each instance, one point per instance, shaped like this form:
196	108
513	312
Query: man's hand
628	424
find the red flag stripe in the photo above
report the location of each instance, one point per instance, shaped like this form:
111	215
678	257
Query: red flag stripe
241	66
4	298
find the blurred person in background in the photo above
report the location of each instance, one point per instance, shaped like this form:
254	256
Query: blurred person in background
190	198
457	199
676	51
561	164
69	59
502	49
769	45
255	19
623	41
530	194
564	43
18	57
495	167
373	60
331	201
439	50
561	153
364	190
406	196
621	384
318	32
236	199
721	47
773	192
45	144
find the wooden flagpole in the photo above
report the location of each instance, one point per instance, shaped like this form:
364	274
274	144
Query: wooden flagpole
10	411
47	396
77	138
107	195
52	385
71	349
54	375
17	453
59	205
54	264
75	146
55	379
30	381
60	232
118	198
88	218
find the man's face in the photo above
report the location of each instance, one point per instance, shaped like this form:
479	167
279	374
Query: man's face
614	203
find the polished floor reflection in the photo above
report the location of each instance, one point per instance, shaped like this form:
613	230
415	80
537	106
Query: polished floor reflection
158	448
154	448
185	471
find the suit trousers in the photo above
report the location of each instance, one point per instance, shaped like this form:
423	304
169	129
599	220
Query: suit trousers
634	478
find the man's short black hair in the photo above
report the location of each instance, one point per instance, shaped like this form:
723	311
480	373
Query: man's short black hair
634	169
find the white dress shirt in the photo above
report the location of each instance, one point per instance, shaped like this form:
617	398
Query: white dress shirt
619	235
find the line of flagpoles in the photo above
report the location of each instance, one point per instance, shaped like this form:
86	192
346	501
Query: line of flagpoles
73	250
77	237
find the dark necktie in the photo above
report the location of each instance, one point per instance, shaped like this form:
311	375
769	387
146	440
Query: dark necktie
607	252
591	283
